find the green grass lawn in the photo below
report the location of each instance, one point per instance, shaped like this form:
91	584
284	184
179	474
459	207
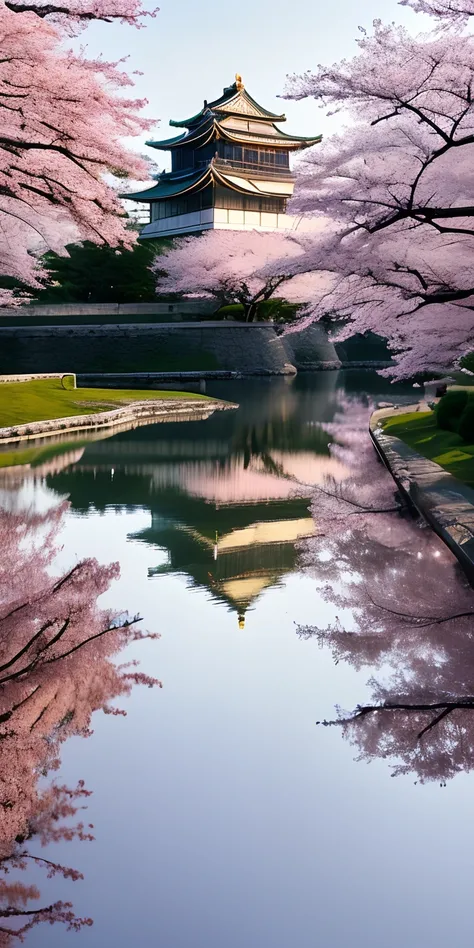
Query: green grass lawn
419	430
23	402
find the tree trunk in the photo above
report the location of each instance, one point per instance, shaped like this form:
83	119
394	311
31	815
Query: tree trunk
250	311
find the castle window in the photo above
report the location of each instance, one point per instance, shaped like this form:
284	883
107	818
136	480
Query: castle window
187	204
265	156
282	158
251	156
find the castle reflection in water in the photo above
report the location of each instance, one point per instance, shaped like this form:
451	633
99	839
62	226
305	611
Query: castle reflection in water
228	496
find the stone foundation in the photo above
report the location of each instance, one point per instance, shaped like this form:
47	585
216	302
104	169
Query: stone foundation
249	348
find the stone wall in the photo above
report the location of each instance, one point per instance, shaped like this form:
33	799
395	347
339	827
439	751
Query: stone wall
310	348
182	309
250	348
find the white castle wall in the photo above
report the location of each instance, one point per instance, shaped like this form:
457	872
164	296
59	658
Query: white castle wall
218	218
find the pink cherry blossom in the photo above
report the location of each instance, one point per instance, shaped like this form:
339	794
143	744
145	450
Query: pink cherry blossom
64	118
57	650
228	265
394	189
456	12
404	615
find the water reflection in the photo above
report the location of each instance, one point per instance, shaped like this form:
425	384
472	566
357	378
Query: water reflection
56	668
227	804
228	497
407	614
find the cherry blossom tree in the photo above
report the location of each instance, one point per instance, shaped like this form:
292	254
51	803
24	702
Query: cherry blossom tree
395	189
63	120
227	265
48	821
455	12
57	668
405	611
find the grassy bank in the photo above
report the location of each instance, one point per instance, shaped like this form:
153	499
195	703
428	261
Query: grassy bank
24	402
419	430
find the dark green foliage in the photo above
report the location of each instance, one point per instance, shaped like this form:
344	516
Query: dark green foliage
367	347
467	361
232	311
450	409
100	274
278	310
466	423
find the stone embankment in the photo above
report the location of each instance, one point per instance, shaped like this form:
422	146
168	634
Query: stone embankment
171	309
443	502
38	376
132	415
248	348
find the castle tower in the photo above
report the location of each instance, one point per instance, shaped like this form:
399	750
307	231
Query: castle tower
230	170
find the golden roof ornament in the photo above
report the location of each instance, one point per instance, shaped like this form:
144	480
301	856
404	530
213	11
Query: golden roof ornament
238	82
241	622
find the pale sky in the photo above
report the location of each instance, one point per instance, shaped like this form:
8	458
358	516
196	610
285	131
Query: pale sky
191	51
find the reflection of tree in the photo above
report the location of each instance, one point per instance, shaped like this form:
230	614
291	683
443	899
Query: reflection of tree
410	620
56	668
257	441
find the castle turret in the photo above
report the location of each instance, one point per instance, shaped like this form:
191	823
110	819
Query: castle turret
230	170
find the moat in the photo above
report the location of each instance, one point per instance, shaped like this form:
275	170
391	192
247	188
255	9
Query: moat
222	816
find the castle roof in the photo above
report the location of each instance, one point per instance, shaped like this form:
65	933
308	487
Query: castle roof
235	118
227	117
235	100
212	129
170	185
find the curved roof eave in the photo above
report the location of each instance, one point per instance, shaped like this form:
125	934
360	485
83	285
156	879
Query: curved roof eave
228	96
190	121
167	142
186	138
223	179
192	182
170	188
287	141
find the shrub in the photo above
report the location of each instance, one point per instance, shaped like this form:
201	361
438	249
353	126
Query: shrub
277	309
467	361
232	310
466	423
450	409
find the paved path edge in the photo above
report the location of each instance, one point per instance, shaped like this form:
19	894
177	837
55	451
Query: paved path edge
446	504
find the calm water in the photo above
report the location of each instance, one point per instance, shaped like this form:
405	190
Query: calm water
223	816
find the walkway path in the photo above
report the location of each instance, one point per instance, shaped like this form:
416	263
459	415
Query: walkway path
444	502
